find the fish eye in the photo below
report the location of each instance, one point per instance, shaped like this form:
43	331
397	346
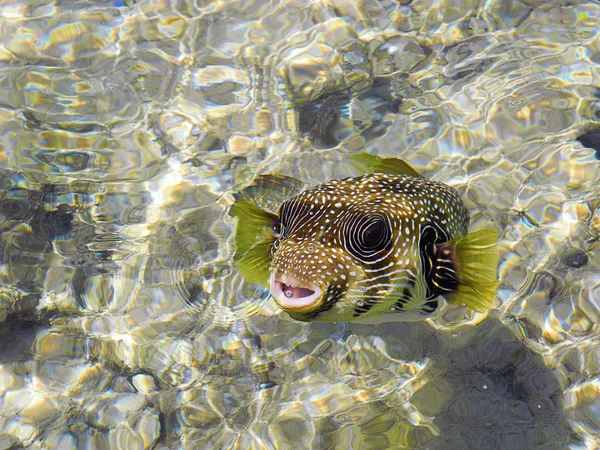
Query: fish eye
366	237
277	227
374	234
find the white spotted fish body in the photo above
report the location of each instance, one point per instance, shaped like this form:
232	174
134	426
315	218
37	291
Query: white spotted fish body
373	248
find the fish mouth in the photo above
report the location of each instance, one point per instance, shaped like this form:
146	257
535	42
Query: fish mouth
294	295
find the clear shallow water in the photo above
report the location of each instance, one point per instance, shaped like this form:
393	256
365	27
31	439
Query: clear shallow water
125	128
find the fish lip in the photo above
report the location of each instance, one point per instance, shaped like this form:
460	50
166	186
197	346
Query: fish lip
296	304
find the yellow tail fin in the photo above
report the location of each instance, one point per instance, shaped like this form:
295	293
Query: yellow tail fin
476	257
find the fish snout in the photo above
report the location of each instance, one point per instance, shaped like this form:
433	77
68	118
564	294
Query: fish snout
294	295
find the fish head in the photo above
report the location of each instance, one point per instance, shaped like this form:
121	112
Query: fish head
336	256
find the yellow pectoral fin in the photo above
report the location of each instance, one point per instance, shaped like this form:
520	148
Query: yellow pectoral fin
400	299
412	299
253	239
476	257
254	264
253	225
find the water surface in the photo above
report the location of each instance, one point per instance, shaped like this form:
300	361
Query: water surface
127	126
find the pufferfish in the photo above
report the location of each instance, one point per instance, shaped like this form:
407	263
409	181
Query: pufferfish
384	246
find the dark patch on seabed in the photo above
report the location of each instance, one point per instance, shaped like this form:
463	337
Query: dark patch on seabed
31	223
498	394
591	139
327	120
574	258
17	335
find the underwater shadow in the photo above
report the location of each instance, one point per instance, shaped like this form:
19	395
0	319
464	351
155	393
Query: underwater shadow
485	388
27	230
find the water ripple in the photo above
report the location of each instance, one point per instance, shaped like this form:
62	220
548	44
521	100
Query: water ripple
127	129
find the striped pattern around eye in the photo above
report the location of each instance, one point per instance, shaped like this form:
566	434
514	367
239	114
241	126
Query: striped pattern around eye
293	215
368	237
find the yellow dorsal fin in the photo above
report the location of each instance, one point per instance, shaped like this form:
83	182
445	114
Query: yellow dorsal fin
367	163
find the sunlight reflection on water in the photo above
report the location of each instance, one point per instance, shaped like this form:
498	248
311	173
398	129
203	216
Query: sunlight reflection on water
125	130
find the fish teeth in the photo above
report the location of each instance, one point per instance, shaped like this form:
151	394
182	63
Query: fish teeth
284	287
